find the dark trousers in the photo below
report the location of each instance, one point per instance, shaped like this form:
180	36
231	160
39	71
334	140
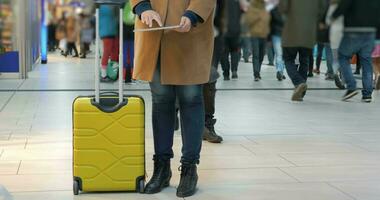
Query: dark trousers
258	52
209	91
71	46
297	73
231	47
270	52
218	50
311	62
191	105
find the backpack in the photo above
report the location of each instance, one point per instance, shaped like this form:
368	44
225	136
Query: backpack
129	17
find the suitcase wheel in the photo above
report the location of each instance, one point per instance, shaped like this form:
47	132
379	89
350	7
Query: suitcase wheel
76	187
141	186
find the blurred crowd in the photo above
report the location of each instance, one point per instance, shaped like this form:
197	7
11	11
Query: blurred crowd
296	35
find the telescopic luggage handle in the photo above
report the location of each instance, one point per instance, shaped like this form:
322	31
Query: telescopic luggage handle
110	2
97	45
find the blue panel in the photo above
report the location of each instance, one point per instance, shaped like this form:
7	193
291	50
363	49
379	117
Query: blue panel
9	62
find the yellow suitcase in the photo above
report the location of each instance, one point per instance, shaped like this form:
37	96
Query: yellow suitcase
108	138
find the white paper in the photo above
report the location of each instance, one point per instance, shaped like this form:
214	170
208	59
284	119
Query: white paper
157	28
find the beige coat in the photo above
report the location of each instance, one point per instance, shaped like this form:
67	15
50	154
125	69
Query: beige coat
185	57
258	19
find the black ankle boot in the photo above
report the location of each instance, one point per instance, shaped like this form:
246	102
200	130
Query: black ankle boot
161	177
188	183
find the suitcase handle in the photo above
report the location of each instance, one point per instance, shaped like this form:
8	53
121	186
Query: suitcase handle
97	57
110	2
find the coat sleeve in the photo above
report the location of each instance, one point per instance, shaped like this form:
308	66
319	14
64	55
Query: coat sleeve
342	9
203	8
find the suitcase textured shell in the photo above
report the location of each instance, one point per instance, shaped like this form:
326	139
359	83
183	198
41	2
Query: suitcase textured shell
109	146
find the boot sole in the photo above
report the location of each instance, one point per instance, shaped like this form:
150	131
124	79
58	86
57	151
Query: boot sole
187	194
163	186
348	97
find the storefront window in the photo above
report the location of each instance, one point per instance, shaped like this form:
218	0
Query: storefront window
6	26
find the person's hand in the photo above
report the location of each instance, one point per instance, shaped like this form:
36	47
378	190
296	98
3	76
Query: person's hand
148	16
185	25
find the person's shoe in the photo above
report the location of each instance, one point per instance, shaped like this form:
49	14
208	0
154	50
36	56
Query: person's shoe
310	74
329	77
246	60
106	80
234	75
317	71
357	72
161	177
299	92
349	94
82	57
338	82
367	99
283	77
188	182
210	135
271	64
75	56
279	76
257	79
227	78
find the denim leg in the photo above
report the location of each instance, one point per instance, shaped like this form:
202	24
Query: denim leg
290	54
192	121
235	53
320	47
365	57
225	60
278	53
345	54
329	59
246	47
163	117
255	56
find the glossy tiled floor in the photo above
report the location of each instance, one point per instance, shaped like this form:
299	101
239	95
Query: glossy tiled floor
321	149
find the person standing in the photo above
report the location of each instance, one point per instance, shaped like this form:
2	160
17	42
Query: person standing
299	37
108	32
361	19
258	20
231	38
176	63
129	42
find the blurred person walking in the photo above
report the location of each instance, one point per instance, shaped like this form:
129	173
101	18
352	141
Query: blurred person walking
376	60
176	63
299	37
86	34
108	31
129	42
276	26
323	46
231	38
335	37
72	32
361	19
258	20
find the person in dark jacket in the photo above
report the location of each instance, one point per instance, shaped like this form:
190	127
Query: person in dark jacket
231	35
323	43
361	19
299	37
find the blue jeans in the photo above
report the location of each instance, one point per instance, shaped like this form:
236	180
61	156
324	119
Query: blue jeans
258	52
163	115
277	45
361	44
